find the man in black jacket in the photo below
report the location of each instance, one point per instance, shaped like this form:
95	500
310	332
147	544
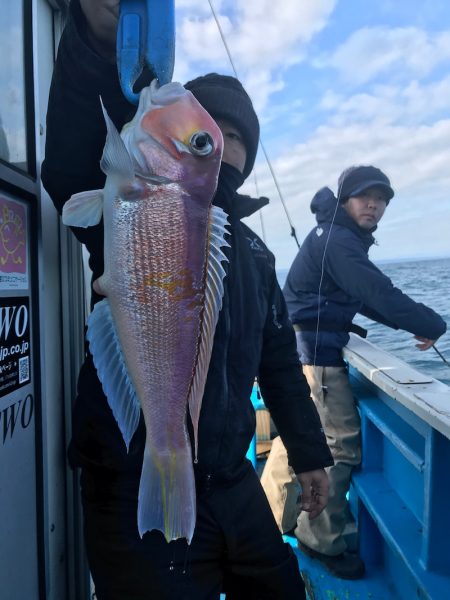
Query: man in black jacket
330	280
236	546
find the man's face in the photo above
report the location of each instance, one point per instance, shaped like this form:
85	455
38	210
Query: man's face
367	208
234	151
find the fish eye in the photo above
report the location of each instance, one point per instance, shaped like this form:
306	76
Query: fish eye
201	143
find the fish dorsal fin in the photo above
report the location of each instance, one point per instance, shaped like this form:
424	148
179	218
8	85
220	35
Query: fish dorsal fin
214	290
83	209
115	158
109	361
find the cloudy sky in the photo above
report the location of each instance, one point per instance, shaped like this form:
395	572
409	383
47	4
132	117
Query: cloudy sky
336	83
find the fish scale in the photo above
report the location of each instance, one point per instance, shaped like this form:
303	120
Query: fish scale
158	317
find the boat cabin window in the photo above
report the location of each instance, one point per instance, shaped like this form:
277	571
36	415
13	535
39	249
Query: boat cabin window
13	110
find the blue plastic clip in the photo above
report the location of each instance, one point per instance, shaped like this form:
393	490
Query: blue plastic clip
145	37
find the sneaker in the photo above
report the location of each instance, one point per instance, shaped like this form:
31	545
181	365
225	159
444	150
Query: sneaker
343	566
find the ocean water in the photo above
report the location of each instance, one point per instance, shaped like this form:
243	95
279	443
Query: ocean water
426	281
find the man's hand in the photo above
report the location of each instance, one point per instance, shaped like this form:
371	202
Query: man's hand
102	17
314	486
425	342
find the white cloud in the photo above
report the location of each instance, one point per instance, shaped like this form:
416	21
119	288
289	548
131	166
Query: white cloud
12	98
16	140
411	103
264	38
412	157
372	51
197	6
12	43
199	39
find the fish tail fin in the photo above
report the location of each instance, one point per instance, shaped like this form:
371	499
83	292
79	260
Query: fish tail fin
167	494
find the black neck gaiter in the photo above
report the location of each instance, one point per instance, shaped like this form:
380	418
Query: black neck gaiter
230	179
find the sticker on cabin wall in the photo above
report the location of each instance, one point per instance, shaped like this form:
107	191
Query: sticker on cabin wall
13	245
15	365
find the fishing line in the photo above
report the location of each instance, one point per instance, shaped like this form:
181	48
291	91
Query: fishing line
272	172
441	356
322	272
266	156
275	180
263	229
230	58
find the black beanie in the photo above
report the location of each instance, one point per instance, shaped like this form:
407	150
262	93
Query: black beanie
224	97
355	180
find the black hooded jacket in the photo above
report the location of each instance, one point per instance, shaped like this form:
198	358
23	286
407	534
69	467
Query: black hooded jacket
350	283
253	336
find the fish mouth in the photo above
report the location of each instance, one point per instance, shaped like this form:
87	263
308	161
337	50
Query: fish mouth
153	179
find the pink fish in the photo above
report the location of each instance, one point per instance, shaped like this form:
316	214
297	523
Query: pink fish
151	338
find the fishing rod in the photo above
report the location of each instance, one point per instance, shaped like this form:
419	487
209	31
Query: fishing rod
441	356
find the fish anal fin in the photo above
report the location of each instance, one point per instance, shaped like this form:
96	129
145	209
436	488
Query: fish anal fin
109	361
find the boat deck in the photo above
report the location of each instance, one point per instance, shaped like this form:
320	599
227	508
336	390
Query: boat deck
320	585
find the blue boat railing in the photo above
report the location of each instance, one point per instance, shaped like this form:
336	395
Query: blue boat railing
401	494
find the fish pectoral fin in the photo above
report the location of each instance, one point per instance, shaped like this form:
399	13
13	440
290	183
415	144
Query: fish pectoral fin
214	290
115	158
166	499
109	361
83	209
